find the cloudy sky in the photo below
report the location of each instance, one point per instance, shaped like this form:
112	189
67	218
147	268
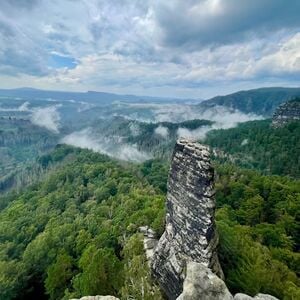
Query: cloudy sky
183	48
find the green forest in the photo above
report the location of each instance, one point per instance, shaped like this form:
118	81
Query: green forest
258	145
75	233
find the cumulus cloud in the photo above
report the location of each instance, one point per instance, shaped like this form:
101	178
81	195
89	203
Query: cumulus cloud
111	146
47	117
162	131
189	48
196	23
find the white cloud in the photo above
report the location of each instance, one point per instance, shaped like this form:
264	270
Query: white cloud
244	142
196	134
47	117
222	117
179	48
162	131
134	129
111	146
23	108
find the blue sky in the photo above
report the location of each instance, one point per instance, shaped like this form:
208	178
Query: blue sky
182	48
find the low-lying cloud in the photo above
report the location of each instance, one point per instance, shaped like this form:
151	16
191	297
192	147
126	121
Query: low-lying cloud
196	134
162	131
222	117
47	117
107	145
23	108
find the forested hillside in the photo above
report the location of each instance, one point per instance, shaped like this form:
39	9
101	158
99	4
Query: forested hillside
261	101
71	234
21	142
75	233
259	223
258	145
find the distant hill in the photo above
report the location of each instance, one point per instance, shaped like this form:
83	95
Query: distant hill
261	101
90	96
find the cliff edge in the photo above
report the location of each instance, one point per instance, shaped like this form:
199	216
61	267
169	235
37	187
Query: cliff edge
190	233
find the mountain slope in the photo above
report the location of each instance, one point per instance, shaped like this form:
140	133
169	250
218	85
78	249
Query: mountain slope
258	145
261	101
74	233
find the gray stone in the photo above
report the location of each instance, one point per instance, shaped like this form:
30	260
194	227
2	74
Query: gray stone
241	296
265	297
202	283
190	233
150	243
97	298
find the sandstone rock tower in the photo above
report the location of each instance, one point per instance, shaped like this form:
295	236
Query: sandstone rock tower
190	233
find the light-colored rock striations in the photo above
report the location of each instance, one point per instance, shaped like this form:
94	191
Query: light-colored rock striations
190	233
286	113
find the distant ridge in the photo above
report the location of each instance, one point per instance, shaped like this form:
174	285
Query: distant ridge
262	101
90	96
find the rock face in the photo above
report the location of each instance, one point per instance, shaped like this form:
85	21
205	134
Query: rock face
202	283
190	230
287	112
150	242
97	298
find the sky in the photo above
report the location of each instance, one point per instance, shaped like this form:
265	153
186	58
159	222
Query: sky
177	48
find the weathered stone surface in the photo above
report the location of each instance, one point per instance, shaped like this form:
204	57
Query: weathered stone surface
287	112
150	241
97	298
190	230
202	283
241	296
265	297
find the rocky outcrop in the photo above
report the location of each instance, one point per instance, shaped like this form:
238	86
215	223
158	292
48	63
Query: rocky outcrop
97	298
190	233
287	112
150	241
240	296
202	284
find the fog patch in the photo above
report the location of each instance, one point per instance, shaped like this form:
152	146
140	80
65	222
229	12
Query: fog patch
227	118
175	113
134	129
22	108
84	106
47	117
111	146
196	134
162	131
244	142
222	117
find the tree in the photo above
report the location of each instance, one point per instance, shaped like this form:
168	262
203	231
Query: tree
58	276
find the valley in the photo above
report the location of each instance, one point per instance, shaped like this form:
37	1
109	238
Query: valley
77	184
